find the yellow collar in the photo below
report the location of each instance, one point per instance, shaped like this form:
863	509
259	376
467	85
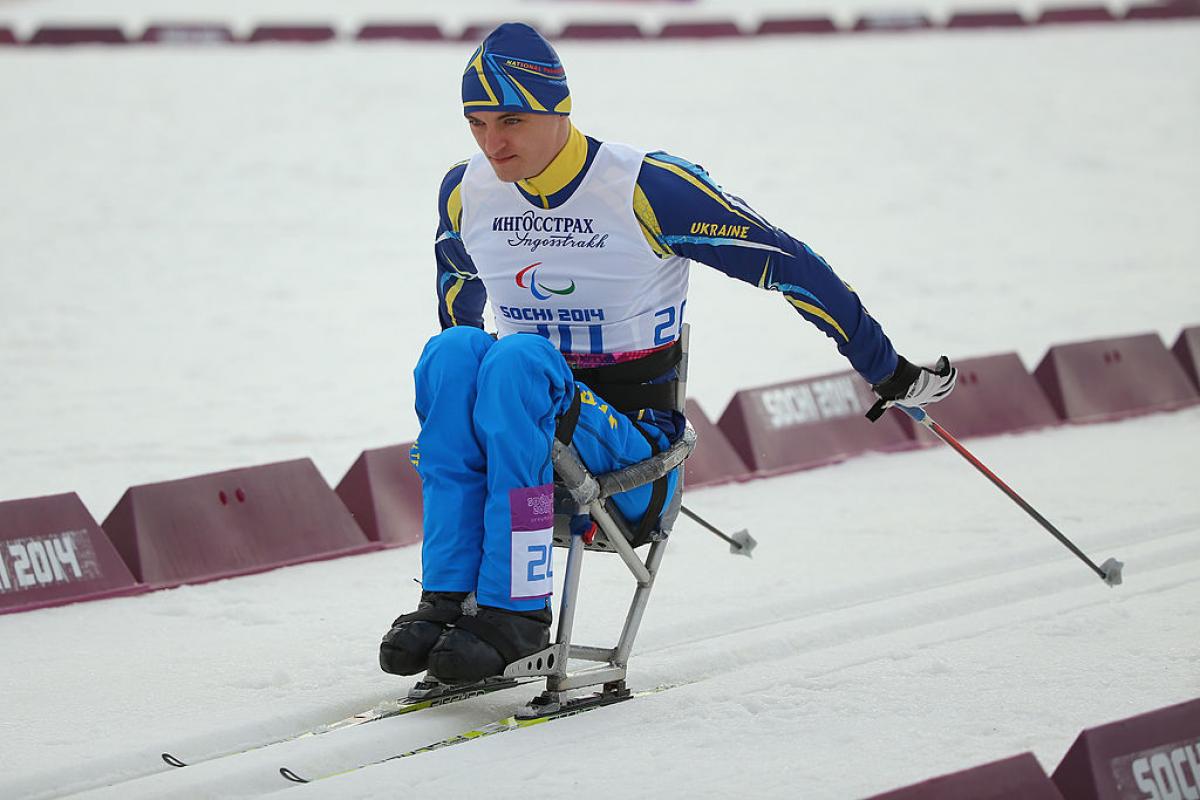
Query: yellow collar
565	167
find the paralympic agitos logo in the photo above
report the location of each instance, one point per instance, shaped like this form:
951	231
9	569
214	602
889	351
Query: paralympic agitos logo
527	279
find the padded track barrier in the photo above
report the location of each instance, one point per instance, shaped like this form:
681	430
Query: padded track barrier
893	21
807	423
1179	9
986	19
796	25
994	394
303	34
1154	755
68	35
475	32
601	30
1070	14
231	523
375	32
1187	350
52	552
1017	778
1112	378
723	29
187	33
174	33
383	492
714	460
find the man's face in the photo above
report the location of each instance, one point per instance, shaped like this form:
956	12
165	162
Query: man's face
518	146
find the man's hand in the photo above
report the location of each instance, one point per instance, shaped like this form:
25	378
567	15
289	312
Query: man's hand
914	386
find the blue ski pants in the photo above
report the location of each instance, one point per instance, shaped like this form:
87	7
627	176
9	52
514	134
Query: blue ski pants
488	410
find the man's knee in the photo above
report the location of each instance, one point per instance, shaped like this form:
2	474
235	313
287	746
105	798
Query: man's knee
529	366
525	357
459	348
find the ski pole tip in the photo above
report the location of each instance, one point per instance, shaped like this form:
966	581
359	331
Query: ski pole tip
743	544
1112	571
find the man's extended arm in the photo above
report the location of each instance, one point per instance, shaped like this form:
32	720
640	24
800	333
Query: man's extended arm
461	294
684	212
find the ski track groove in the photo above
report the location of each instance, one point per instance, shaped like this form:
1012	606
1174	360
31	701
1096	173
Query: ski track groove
934	612
991	567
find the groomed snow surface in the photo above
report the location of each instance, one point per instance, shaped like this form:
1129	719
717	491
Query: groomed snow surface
221	258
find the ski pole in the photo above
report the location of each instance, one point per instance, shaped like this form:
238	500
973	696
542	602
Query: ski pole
741	543
1109	572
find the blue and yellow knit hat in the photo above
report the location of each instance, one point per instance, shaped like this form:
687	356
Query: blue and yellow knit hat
515	69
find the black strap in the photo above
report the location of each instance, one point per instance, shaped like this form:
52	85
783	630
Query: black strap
625	386
491	635
629	399
658	497
640	370
564	430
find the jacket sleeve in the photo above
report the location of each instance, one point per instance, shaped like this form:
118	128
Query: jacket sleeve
460	293
683	212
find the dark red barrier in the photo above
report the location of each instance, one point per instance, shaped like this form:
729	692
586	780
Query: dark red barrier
66	35
1181	9
994	394
892	21
802	424
1072	14
7	37
476	32
187	33
699	30
601	30
1154	755
301	34
714	460
1017	778
1187	350
796	25
375	32
52	552
1112	378
383	492
231	523
986	19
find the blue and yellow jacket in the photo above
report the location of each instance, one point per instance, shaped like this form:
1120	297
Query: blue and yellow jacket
683	212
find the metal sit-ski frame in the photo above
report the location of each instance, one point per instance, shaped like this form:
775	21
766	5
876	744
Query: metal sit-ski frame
580	492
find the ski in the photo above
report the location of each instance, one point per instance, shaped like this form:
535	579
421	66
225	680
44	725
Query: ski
510	723
425	695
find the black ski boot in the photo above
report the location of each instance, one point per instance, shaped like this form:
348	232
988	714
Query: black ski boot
482	645
405	648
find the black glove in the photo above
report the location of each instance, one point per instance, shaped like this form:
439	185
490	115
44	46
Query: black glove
913	386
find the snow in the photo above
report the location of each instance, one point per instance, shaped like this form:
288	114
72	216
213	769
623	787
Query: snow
215	258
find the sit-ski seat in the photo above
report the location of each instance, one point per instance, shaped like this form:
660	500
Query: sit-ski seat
578	492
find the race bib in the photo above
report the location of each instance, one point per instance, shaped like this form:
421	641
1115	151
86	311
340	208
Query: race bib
532	541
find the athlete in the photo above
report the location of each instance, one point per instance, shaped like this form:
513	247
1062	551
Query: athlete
584	247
